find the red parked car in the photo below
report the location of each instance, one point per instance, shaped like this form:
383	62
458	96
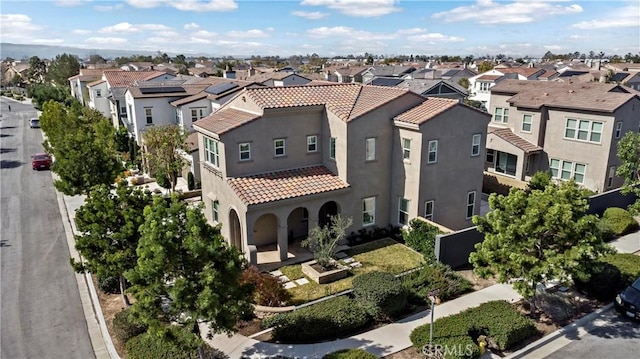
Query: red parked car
40	161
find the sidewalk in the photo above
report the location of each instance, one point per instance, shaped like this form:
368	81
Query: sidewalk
629	243
383	341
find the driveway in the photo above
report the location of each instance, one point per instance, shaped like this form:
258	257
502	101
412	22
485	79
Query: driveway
41	315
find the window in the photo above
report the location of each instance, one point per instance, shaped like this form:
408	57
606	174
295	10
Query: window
484	86
245	151
215	214
148	115
211	154
196	114
312	143
583	130
98	93
612	173
403	211
471	204
406	148
618	130
490	158
368	211
432	156
278	147
527	120
428	210
501	115
332	148
475	144
506	163
567	170
370	149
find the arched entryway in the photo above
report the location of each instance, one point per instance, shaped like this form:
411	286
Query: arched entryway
265	230
328	210
297	224
235	234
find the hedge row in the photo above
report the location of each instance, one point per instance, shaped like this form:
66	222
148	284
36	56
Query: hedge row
326	320
499	321
610	275
175	343
381	294
435	276
350	354
619	221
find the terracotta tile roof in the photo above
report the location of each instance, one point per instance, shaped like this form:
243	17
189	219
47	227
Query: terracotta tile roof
548	74
507	135
97	82
427	110
128	78
276	186
524	71
192	142
212	81
590	96
225	120
189	89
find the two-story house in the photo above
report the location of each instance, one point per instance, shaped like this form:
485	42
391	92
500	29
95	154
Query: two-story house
78	83
570	129
277	161
480	84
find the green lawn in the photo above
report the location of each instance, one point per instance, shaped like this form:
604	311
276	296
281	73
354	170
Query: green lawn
384	255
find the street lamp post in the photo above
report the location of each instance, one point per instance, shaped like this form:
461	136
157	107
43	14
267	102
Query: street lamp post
432	297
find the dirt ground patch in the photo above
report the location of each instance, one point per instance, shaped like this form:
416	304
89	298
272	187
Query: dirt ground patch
110	304
478	283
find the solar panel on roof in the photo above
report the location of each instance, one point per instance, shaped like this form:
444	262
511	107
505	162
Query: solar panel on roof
167	89
218	89
381	81
450	72
619	76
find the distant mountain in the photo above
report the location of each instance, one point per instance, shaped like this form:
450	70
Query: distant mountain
23	51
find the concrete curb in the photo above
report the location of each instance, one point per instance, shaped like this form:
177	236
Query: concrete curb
575	326
96	325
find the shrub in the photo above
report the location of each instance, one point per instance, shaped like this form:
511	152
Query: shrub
557	307
603	283
498	320
628	264
350	354
124	328
329	319
269	291
191	181
175	343
380	293
421	236
605	230
109	285
619	220
434	276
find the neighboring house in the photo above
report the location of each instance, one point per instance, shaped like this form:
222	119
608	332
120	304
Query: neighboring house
571	130
455	75
279	79
78	83
347	74
633	81
480	84
15	69
426	88
203	71
278	161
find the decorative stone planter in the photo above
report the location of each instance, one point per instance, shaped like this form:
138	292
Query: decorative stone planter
323	277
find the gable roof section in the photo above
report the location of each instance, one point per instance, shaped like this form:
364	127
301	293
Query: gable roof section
280	185
385	81
225	120
427	110
507	135
422	86
120	78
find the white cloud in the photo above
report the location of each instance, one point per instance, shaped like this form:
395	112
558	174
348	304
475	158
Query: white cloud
577	37
191	26
489	12
80	32
108	8
310	15
348	33
17	27
434	37
552	47
358	8
254	33
70	3
125	27
205	33
187	5
48	41
107	40
627	16
415	30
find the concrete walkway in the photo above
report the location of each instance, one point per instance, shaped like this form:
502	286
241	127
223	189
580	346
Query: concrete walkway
629	243
383	341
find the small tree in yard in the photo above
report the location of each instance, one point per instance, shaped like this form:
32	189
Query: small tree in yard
109	225
536	235
629	169
163	144
323	240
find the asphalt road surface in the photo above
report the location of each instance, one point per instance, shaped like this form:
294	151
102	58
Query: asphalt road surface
617	338
41	314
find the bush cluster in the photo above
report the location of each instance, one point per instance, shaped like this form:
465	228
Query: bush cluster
610	275
619	220
125	328
381	294
110	285
268	290
374	233
499	321
421	236
435	276
325	320
175	343
350	354
628	264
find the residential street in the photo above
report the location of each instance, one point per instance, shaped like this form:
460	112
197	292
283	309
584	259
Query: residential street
41	311
614	338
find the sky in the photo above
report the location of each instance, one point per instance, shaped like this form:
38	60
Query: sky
328	27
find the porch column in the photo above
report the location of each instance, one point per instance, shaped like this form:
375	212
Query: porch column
283	243
313	220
